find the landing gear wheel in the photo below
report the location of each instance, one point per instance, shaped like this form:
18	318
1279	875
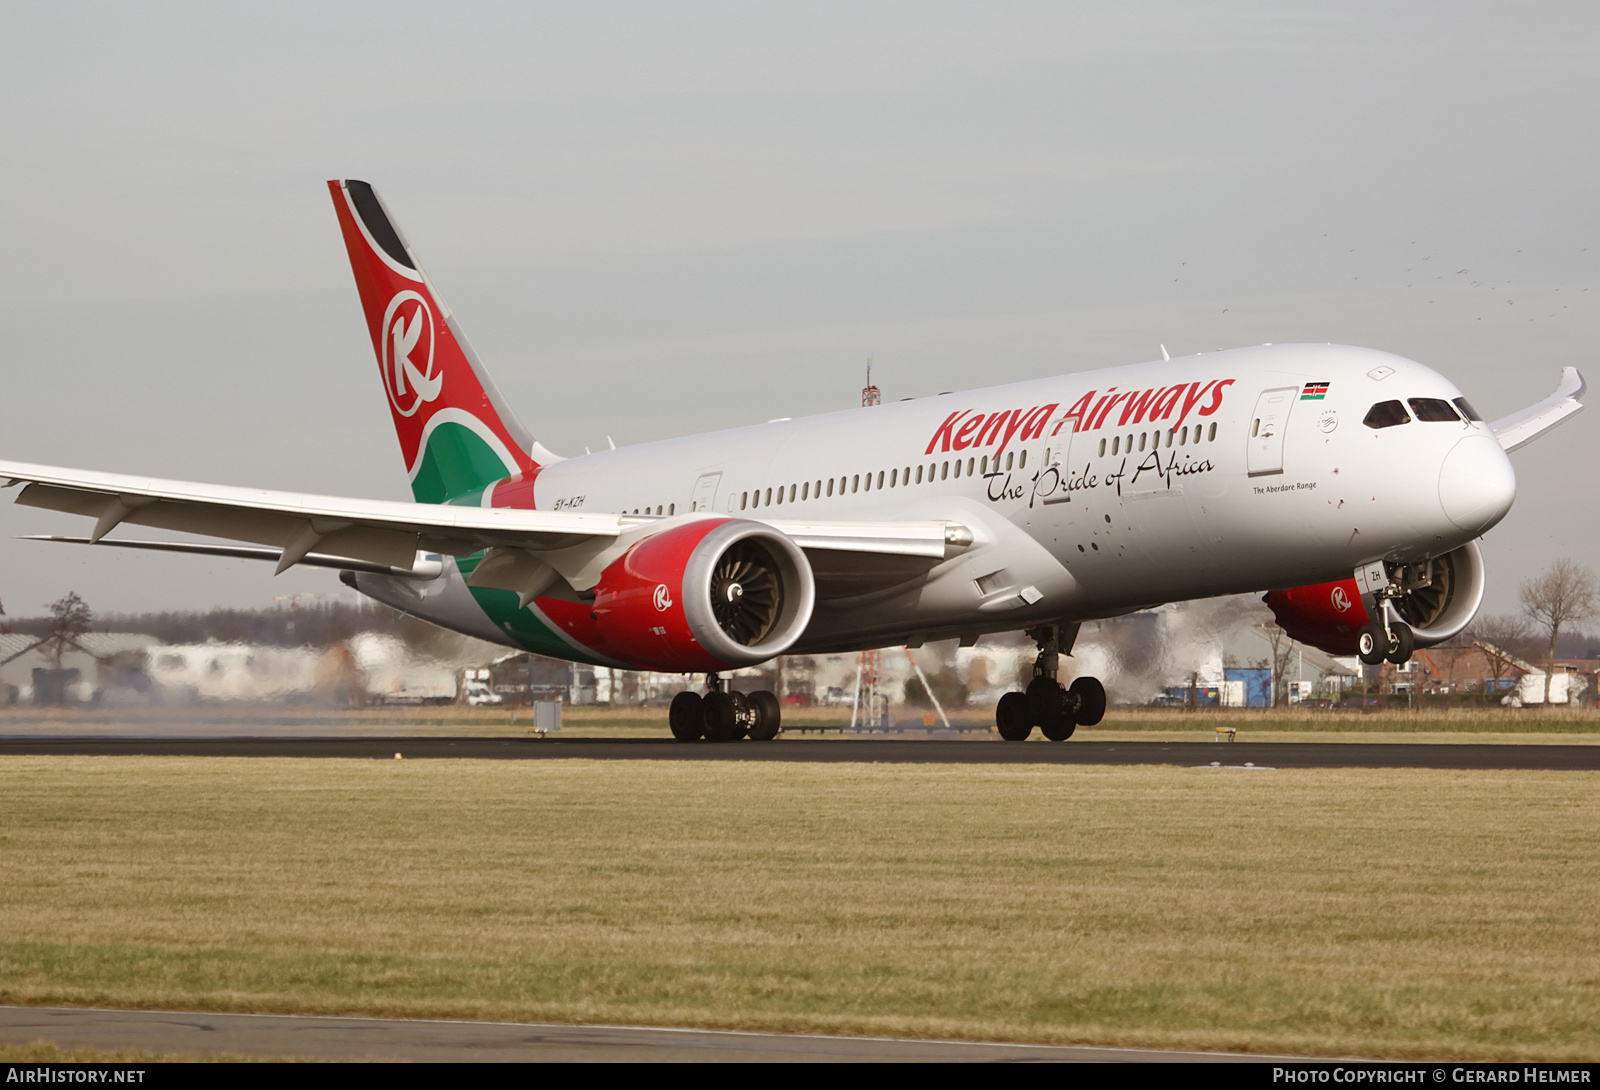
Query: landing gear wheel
1060	730
1401	643
1047	701
1011	718
1091	701
720	720
1372	643
687	717
767	715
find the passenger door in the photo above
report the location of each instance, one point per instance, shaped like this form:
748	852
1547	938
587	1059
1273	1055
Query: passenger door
1264	454
705	492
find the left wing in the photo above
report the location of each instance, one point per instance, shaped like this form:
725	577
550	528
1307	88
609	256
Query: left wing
526	549
377	531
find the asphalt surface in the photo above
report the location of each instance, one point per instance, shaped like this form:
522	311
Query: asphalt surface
310	1037
1228	755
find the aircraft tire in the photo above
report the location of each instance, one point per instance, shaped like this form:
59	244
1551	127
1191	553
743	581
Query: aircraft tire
768	717
1011	718
720	719
1091	701
1060	730
1401	643
687	717
1047	701
1371	643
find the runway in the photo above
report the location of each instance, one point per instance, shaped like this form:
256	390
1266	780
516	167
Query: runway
1249	756
319	1038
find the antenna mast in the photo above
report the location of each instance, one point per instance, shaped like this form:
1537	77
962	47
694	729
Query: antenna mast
870	394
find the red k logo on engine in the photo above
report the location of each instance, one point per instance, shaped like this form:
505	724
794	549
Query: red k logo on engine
408	347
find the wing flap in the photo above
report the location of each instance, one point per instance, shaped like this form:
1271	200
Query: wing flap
423	568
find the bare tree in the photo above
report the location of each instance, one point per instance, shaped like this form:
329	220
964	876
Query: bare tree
69	619
1564	595
1282	651
1503	638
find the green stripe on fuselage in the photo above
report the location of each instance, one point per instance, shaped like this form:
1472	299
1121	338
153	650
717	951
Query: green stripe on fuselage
456	466
500	606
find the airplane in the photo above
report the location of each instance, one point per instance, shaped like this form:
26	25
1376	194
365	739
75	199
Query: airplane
1348	484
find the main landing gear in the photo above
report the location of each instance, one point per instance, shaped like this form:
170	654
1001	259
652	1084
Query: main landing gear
721	716
1056	711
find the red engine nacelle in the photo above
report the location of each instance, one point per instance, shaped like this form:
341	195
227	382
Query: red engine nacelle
1325	615
710	594
1440	597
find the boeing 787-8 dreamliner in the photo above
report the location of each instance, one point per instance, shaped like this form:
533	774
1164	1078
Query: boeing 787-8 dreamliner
1349	484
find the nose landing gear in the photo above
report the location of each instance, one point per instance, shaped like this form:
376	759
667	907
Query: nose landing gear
1388	638
722	716
1056	711
1374	644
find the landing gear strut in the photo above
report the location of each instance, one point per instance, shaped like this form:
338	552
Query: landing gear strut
723	716
1056	711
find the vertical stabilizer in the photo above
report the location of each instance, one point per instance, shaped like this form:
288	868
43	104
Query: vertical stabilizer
456	432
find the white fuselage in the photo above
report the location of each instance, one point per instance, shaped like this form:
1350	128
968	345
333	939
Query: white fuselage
1252	475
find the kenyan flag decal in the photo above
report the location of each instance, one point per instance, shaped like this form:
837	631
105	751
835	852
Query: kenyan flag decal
1314	391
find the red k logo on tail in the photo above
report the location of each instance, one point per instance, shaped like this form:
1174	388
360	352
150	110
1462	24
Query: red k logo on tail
408	348
455	434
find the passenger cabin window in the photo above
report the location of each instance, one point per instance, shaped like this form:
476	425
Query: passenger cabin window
1433	410
1386	414
1467	410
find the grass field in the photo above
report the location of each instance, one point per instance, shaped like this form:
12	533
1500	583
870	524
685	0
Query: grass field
1350	912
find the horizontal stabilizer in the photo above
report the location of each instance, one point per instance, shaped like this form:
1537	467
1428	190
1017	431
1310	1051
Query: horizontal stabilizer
1521	428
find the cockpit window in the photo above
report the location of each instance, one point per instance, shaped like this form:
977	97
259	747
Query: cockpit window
1386	414
1467	410
1433	410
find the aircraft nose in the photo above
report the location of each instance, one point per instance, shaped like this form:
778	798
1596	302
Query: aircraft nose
1476	483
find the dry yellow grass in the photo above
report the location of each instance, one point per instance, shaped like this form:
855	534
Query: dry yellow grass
1350	912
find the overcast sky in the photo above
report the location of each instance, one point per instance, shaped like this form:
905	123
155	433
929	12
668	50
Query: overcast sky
658	219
